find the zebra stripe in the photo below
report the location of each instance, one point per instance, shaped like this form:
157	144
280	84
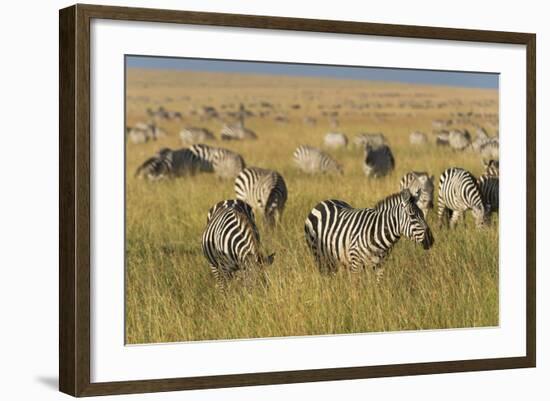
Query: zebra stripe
489	188
458	192
224	162
312	160
421	186
155	168
339	235
492	168
231	242
265	190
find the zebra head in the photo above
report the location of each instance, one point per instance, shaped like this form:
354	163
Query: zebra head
481	214
413	224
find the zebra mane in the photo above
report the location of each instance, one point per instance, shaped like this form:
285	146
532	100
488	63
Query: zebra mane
393	200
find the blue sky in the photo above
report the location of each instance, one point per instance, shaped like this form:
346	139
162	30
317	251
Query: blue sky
434	77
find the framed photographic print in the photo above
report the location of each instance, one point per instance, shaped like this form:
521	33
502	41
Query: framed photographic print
250	200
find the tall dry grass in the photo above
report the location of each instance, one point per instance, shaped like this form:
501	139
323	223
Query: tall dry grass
170	293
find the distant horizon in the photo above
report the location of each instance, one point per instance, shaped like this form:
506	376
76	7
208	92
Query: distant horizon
480	80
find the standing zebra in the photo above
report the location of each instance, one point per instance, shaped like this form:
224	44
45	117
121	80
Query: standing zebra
421	186
458	192
231	241
378	161
224	162
312	160
264	190
339	235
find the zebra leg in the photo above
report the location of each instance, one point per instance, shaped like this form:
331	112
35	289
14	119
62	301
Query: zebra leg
356	264
220	277
455	217
443	215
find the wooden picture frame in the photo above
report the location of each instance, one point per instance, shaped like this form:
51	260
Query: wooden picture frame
74	202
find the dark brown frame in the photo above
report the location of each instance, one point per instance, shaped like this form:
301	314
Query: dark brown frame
74	199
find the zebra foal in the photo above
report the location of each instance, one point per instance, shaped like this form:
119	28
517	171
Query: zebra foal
231	242
264	190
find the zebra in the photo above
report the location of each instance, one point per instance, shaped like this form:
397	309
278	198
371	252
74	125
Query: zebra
231	241
374	139
312	160
225	163
418	138
459	140
458	192
264	190
168	163
339	235
191	135
378	162
421	186
335	140
145	132
236	132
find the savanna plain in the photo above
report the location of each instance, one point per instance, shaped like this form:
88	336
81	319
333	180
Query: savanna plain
170	292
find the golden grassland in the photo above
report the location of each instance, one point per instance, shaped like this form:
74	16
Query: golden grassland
170	293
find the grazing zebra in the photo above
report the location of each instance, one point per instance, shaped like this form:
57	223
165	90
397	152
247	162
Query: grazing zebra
335	140
142	133
339	235
421	186
375	140
231	242
378	162
171	163
459	140
442	138
236	132
418	138
191	135
458	192
264	190
312	160
225	163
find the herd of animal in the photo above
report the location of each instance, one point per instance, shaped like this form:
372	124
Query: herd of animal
336	233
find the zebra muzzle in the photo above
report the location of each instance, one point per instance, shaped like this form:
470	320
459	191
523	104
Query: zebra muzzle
428	240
